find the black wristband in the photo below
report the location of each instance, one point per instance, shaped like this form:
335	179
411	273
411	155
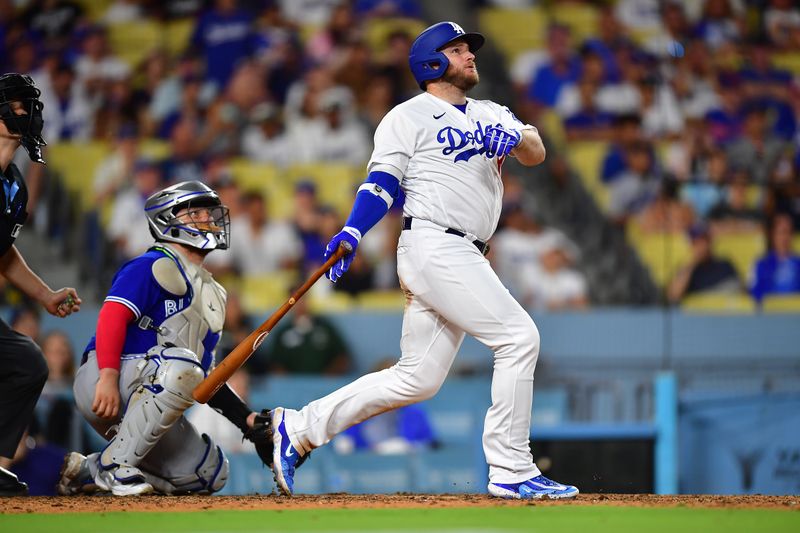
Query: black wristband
231	406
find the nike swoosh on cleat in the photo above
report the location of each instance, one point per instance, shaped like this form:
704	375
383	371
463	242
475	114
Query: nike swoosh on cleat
440	116
288	453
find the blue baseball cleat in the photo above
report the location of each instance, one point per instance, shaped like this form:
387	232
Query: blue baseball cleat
533	489
285	457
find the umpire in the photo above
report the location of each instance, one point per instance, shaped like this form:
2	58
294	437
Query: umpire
24	370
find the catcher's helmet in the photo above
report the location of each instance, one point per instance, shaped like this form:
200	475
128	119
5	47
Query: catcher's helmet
204	225
20	88
426	60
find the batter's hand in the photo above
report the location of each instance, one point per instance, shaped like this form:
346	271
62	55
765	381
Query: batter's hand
499	141
62	302
341	266
106	394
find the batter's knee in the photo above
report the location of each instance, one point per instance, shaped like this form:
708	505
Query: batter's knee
418	386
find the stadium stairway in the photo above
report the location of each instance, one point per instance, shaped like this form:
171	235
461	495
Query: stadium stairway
49	262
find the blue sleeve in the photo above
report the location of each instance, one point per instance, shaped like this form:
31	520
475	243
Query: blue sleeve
134	286
371	203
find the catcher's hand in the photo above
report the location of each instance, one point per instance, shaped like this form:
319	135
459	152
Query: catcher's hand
261	435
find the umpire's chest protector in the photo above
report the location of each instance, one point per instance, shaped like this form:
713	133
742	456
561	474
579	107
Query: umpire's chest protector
196	317
13	204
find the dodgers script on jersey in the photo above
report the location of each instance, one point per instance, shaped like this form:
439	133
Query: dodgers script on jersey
437	153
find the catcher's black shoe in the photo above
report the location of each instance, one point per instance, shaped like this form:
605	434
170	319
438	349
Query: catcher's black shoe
10	485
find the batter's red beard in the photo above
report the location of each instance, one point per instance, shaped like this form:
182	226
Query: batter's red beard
463	79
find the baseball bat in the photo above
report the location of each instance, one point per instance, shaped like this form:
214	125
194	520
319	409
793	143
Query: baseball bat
236	358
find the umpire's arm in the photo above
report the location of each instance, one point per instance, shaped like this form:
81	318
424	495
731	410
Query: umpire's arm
530	151
14	268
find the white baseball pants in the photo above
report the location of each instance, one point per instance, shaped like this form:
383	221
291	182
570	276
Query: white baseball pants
452	290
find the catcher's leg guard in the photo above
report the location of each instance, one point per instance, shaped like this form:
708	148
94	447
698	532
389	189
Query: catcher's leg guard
208	475
151	411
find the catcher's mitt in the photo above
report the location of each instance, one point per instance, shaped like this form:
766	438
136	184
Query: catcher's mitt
261	435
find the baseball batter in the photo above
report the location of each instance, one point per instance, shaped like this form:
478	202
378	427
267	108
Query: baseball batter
156	336
445	151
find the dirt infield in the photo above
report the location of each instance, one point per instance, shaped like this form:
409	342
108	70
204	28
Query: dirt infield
99	504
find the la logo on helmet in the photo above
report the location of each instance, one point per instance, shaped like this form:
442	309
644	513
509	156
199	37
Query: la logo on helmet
456	27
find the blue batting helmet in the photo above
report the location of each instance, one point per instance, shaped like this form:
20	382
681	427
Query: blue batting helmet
426	60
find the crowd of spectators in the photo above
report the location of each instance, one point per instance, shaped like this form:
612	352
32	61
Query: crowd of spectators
700	123
699	119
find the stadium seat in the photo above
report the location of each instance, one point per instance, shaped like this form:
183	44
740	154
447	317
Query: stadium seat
269	181
580	18
381	300
586	158
377	31
336	182
743	250
755	196
94	9
789	61
264	292
514	31
714	302
664	254
133	41
333	302
154	149
552	124
783	303
177	34
77	163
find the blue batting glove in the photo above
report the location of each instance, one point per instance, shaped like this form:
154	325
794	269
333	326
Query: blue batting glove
499	141
352	237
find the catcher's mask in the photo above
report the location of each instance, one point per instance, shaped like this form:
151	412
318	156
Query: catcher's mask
189	213
20	88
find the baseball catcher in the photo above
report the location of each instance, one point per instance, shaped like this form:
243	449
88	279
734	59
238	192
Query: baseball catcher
155	341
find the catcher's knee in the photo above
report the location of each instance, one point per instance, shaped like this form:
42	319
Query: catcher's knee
179	372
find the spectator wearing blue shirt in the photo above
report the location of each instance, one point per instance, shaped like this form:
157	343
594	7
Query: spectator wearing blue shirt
224	36
778	272
725	121
627	129
562	67
589	122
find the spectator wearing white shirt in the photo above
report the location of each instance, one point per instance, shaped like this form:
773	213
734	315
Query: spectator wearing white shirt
128	228
115	171
264	140
97	67
518	247
554	285
259	245
343	139
68	115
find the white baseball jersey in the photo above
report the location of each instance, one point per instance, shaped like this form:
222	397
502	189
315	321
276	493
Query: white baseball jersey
437	153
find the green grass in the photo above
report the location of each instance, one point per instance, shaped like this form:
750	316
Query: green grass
560	519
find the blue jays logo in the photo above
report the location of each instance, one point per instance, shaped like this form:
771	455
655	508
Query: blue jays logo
454	139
